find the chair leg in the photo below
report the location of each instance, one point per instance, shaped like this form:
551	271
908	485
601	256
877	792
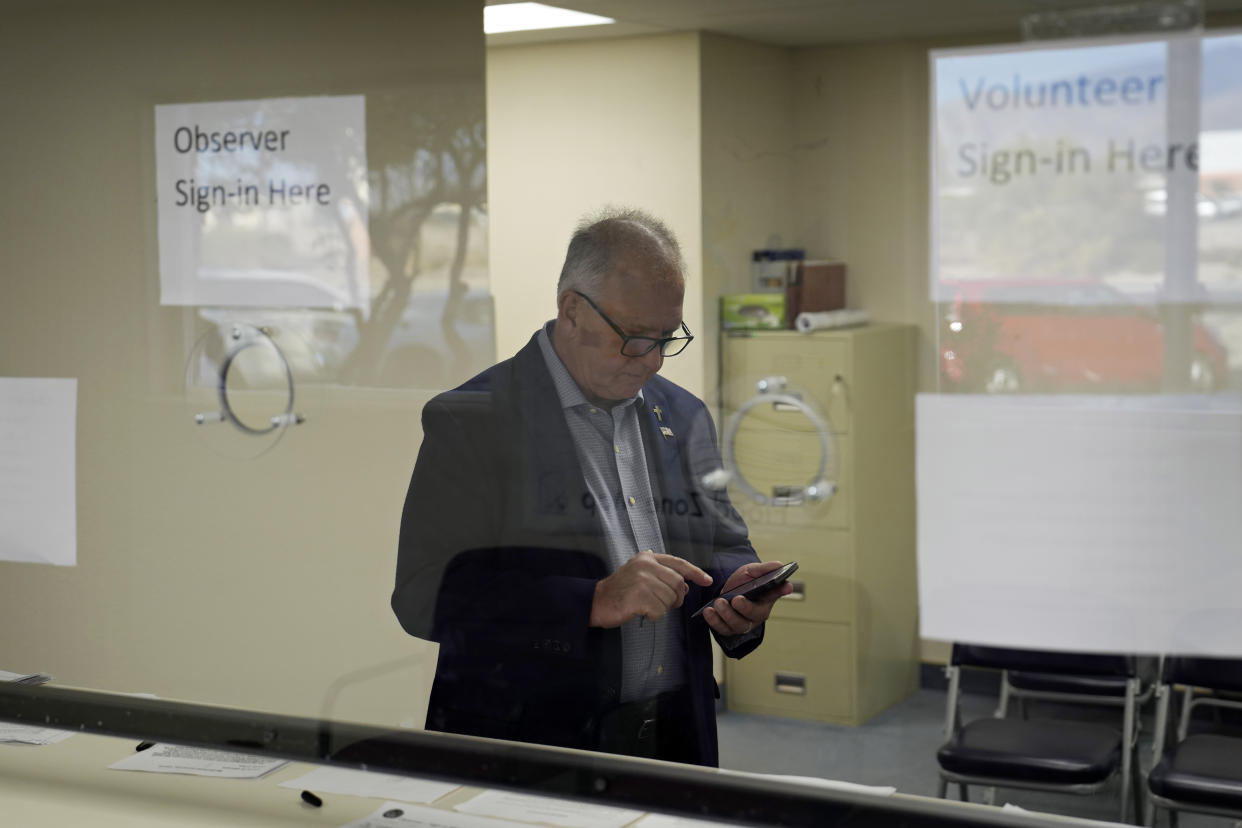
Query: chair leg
1125	796
963	793
1172	819
1002	705
942	788
1149	814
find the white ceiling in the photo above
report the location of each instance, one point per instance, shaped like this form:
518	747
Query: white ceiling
808	22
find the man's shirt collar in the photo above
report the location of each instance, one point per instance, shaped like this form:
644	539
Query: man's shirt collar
567	390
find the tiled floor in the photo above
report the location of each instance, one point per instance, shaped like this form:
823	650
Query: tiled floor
898	748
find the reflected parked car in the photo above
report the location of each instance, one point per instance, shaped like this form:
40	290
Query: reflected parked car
994	339
320	343
1155	203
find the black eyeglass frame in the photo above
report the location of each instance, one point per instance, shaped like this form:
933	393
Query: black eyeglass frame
656	342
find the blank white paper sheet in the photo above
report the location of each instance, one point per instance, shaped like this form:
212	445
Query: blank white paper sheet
1087	523
38	489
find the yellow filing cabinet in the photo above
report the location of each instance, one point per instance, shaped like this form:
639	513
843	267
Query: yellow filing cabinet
844	645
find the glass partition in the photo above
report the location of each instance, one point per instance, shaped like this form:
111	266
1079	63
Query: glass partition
235	468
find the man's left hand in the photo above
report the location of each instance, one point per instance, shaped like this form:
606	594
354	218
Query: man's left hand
742	615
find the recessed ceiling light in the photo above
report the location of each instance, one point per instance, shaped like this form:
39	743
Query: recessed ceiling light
523	17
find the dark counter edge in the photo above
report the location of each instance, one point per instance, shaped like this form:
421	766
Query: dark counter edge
596	777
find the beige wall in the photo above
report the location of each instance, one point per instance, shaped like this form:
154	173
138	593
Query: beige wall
575	126
748	162
256	583
696	128
862	132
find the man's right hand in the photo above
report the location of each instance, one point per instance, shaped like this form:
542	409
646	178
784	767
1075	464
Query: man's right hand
647	585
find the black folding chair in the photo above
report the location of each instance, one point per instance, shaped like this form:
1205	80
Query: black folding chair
1040	685
1045	754
1199	769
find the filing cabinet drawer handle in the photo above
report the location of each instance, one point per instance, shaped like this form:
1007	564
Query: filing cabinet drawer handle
787	495
794	683
799	592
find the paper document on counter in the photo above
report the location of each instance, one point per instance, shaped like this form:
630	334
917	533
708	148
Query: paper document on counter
199	762
367	783
401	815
548	810
32	735
666	821
25	678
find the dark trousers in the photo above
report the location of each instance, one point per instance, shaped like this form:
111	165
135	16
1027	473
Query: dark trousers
661	727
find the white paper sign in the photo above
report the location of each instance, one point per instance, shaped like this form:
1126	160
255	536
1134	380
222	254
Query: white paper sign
1107	524
1062	165
263	203
38	456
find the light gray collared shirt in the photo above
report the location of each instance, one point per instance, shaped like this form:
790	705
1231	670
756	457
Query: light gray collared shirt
609	446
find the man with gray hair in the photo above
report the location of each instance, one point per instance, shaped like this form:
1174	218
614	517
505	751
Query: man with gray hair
556	538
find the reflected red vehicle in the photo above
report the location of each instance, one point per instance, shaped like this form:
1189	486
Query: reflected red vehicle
994	339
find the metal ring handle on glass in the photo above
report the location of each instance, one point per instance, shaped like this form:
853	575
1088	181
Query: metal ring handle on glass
771	392
226	409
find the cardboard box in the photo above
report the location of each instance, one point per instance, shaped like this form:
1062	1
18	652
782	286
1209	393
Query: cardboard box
817	285
752	311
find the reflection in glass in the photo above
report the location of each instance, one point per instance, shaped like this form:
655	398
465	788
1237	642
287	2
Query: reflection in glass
1102	343
1115	163
430	320
423	319
240	387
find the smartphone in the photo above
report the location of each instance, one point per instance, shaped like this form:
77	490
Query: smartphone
755	588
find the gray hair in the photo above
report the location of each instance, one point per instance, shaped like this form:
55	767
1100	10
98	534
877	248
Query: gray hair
601	237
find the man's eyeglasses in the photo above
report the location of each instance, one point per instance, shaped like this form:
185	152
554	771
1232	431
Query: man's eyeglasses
636	346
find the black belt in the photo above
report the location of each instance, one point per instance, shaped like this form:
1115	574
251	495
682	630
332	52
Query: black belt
648	727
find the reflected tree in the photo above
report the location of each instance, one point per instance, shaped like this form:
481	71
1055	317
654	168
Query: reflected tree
425	152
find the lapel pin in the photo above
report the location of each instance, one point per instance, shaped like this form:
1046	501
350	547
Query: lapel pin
659	412
666	431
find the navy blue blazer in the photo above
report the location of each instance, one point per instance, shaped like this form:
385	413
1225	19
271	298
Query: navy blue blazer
500	551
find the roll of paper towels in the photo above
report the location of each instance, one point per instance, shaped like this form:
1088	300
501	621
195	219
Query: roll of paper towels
807	322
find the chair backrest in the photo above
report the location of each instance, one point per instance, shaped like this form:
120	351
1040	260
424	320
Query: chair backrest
1199	671
1044	661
